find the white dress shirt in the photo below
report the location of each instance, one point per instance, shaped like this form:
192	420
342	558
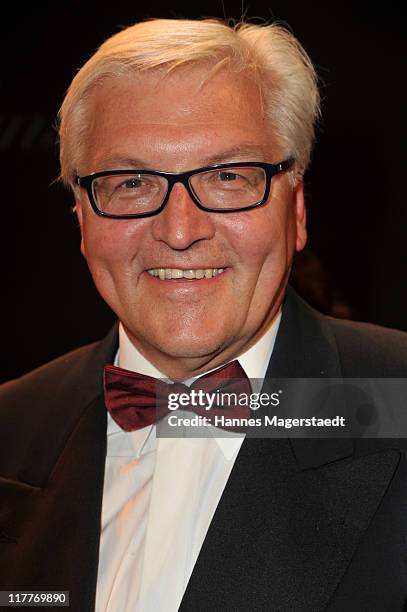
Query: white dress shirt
160	495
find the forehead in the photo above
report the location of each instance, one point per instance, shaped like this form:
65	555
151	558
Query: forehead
175	118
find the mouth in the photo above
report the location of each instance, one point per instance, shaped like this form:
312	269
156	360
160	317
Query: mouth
187	273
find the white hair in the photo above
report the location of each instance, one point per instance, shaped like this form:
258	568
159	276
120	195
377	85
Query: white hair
269	54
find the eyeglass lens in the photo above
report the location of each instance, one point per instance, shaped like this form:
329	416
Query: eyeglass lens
139	193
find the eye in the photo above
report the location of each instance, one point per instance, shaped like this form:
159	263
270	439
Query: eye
132	183
229	176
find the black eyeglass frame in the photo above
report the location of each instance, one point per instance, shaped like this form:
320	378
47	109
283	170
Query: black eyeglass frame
183	177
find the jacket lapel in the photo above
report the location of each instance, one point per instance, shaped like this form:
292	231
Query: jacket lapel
294	510
282	538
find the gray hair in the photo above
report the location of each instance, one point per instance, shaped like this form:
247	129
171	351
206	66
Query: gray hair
269	54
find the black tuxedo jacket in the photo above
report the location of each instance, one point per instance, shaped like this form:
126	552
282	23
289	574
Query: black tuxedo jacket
302	525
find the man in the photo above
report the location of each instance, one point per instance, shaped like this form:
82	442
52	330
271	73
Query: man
185	143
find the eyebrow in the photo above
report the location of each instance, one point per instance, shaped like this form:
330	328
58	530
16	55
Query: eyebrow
246	151
241	151
126	162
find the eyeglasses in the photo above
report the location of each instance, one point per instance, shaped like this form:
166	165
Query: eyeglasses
223	188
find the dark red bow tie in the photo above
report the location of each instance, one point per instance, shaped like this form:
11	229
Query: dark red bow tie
135	400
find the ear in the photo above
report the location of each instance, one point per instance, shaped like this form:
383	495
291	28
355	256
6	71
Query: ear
300	216
77	209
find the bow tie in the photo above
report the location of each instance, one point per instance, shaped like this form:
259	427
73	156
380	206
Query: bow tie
136	400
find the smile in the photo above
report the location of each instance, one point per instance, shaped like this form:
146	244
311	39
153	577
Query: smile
189	274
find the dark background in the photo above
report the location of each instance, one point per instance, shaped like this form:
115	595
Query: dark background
356	262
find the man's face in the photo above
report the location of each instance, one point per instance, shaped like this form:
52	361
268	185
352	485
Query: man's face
171	124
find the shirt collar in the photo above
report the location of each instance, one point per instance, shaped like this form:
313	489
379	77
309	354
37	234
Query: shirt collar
254	361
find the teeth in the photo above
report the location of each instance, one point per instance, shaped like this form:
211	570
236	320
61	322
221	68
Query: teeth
170	273
190	274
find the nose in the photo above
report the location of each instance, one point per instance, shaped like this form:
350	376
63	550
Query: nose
181	224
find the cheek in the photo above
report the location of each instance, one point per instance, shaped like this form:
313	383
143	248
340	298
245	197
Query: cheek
265	234
247	234
110	242
97	245
111	248
102	256
267	247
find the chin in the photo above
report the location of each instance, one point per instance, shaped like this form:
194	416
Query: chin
185	343
189	348
180	337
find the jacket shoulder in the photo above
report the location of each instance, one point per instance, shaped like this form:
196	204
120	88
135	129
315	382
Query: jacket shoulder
76	376
49	375
368	350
